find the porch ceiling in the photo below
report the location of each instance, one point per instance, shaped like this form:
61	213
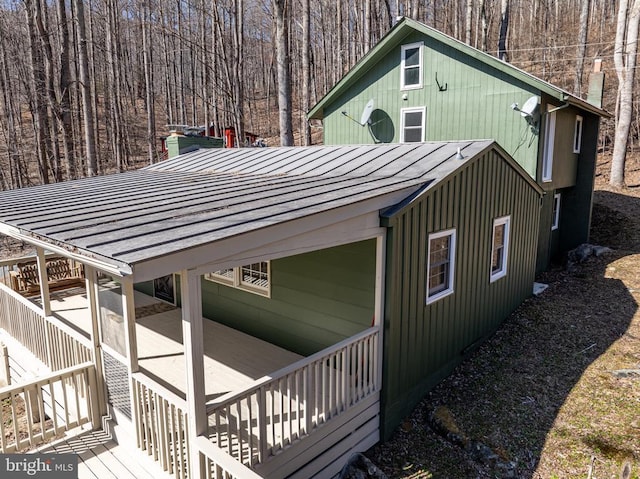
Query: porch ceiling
200	199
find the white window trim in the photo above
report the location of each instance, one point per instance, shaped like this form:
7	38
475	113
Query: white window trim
452	264
404	48
556	217
577	135
549	143
421	109
236	281
501	273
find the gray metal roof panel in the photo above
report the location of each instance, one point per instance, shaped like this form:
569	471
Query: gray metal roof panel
208	195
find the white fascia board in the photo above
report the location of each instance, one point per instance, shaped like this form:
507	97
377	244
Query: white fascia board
346	224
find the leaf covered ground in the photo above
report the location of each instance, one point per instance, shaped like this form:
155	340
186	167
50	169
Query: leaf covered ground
555	393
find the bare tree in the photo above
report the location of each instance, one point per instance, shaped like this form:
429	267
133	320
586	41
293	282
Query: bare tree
582	45
87	106
504	29
624	57
306	71
284	73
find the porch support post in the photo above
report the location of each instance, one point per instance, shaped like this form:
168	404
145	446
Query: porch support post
129	313
92	295
43	277
192	334
381	257
131	345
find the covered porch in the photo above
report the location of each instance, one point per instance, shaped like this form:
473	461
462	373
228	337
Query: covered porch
267	410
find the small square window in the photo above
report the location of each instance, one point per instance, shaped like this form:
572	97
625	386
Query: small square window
411	66
412	124
441	262
556	212
253	277
500	247
577	135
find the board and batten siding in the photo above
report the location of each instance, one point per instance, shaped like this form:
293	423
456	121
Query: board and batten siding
423	343
476	103
317	299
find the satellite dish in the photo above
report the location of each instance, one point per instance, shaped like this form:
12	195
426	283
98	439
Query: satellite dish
366	113
530	108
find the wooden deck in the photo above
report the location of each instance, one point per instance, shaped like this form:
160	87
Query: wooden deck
100	456
233	360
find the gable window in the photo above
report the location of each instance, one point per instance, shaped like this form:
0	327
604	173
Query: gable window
412	122
500	247
577	135
440	264
549	140
254	277
411	66
556	212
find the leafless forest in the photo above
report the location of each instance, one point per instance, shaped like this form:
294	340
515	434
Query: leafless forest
89	85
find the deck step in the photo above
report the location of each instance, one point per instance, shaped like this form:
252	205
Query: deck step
101	456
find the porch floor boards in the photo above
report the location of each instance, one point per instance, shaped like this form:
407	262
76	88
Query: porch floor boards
233	359
101	457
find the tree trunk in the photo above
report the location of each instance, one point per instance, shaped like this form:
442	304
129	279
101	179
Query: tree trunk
306	71
148	82
504	28
626	47
485	26
38	87
582	45
87	107
65	94
468	21
284	74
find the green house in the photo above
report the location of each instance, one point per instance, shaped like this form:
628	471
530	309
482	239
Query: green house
418	84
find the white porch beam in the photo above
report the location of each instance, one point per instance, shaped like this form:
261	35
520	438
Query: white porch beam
275	242
192	336
43	277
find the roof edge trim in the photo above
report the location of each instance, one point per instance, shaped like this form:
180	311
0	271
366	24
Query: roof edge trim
118	269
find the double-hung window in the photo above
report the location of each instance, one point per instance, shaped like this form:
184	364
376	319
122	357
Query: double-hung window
411	66
253	277
500	247
549	144
412	122
440	264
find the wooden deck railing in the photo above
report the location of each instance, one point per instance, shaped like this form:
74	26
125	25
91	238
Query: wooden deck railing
219	465
278	410
35	411
50	340
161	425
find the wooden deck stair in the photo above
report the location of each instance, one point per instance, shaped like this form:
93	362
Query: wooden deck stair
100	456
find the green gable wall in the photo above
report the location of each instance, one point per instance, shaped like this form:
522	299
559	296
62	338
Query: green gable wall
476	104
422	343
317	299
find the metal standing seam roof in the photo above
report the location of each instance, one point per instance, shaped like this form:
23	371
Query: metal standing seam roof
213	194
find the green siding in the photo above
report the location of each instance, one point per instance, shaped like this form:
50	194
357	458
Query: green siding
476	104
424	342
317	299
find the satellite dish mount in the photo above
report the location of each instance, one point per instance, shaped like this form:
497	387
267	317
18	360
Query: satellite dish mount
365	118
530	111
